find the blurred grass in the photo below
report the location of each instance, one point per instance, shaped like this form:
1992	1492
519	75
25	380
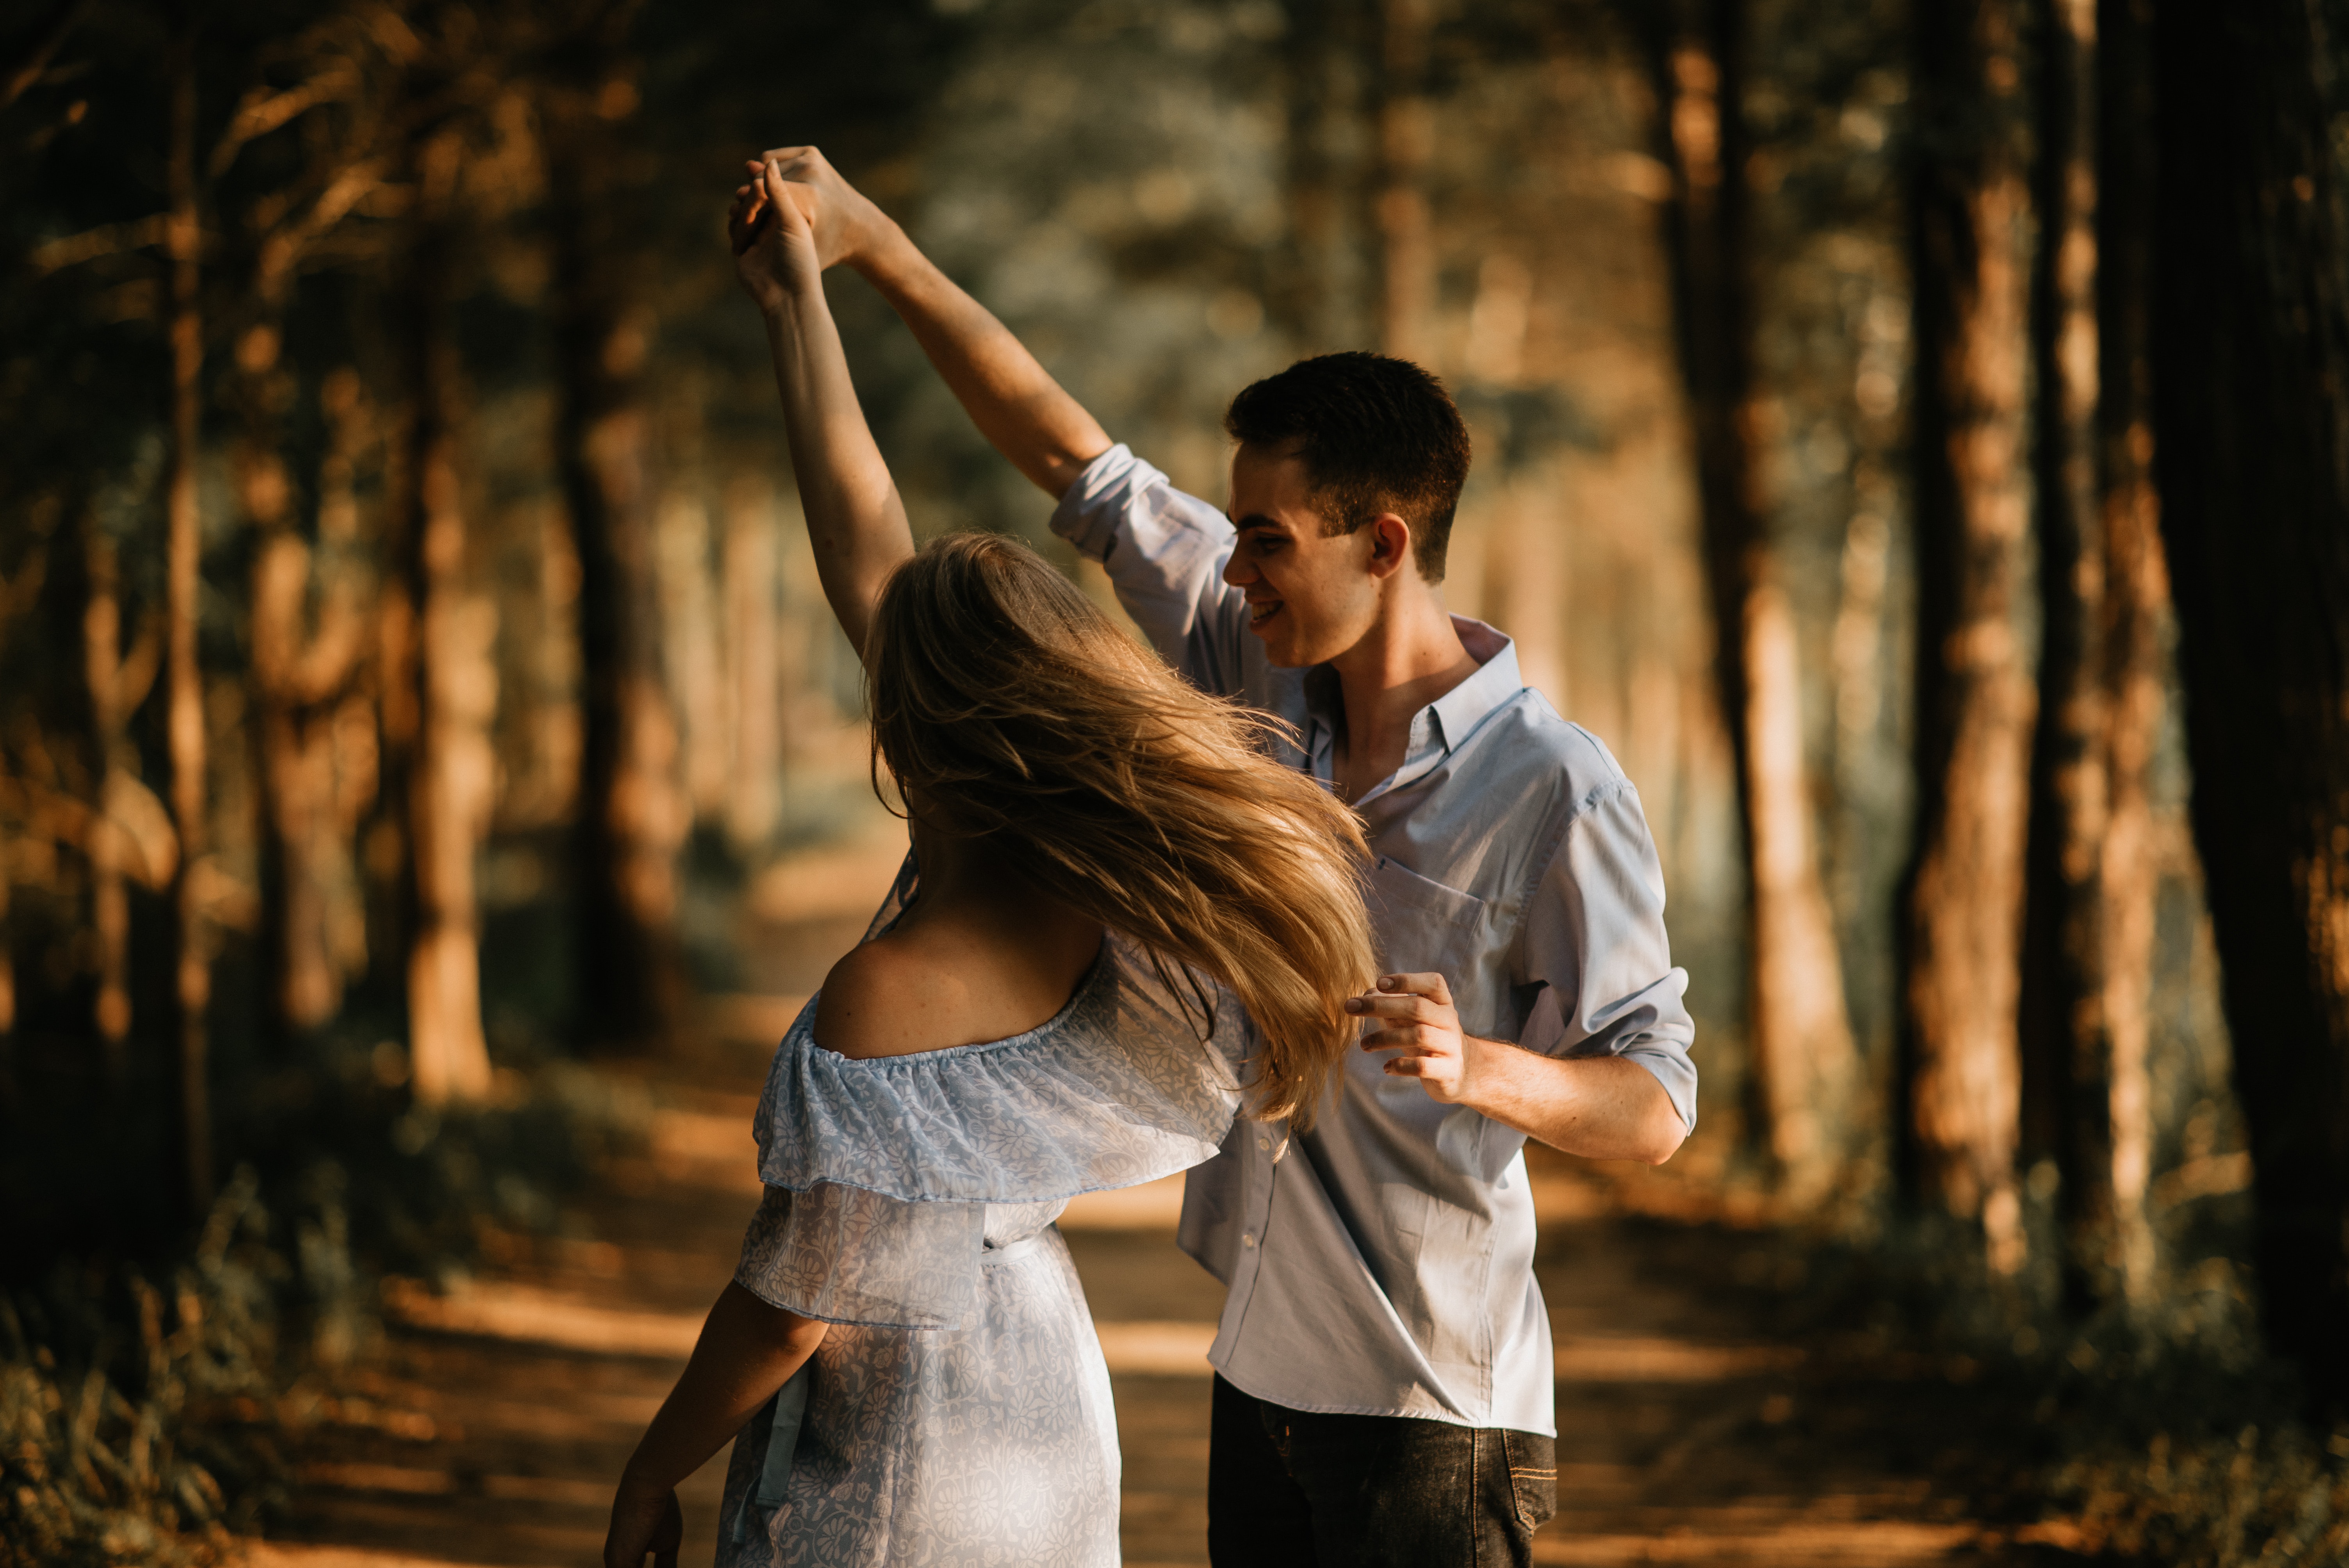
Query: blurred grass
2157	1432
145	1402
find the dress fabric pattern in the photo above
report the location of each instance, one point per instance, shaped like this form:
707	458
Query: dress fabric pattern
958	1410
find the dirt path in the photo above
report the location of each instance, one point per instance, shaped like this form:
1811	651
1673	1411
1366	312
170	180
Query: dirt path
503	1412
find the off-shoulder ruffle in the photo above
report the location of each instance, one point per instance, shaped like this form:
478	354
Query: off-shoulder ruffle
1118	1089
846	1255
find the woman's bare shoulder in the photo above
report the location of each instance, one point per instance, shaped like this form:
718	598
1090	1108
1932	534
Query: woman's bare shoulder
876	1001
941	986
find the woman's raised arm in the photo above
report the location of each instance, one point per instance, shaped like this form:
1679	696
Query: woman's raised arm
855	519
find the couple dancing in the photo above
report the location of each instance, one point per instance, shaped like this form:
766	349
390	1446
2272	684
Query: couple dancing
1327	908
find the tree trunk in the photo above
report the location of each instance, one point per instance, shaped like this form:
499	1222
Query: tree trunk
101	630
7	973
1324	292
1406	132
754	666
2251	392
299	678
2062	1029
2136	633
1976	700
632	813
280	584
184	719
296	691
339	730
692	657
2092	874
444	765
1805	1063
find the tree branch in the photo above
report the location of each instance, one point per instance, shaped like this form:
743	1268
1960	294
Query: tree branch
51	38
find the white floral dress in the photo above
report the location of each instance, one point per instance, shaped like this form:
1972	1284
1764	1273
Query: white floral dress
958	1412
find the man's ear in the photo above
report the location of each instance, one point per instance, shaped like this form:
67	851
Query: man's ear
1390	545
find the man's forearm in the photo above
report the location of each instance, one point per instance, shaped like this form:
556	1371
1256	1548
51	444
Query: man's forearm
1017	406
1600	1107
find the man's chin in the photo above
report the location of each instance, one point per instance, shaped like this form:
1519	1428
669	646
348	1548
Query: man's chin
1280	650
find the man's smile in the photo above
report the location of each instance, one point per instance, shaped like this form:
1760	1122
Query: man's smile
1262	610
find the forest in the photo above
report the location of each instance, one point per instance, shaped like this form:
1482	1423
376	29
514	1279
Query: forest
1912	434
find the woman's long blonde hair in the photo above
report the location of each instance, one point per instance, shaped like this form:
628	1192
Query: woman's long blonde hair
1012	711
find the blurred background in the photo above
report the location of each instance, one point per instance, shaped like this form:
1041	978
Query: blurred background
427	762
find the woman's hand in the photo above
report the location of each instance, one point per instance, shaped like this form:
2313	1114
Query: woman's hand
643	1518
848	227
774	243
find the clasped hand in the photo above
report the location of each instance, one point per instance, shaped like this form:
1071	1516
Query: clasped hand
1413	1017
831	221
771	227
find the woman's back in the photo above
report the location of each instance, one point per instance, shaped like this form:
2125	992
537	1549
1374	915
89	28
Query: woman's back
957	1409
981	957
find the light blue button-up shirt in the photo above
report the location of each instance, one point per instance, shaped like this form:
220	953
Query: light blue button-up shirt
1381	1264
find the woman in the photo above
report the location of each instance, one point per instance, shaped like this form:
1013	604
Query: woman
1109	873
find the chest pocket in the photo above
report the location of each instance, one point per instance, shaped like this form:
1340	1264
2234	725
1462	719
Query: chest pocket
1425	927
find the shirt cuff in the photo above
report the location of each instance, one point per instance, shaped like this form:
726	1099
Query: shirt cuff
1664	1053
1088	514
1674	1073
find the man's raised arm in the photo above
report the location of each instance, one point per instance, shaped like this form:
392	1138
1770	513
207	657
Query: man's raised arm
1020	408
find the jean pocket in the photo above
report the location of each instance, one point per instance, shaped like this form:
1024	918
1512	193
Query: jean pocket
1533	1475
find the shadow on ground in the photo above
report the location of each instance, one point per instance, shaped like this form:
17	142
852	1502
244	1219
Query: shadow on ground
492	1429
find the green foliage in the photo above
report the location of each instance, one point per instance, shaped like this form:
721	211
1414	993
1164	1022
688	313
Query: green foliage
2156	1432
133	1414
2257	1497
2176	1440
417	1185
143	1408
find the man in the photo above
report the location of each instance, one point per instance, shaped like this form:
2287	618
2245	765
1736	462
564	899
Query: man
1383	1389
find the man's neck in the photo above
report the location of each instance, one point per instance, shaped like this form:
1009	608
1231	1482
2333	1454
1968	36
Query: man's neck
1411	656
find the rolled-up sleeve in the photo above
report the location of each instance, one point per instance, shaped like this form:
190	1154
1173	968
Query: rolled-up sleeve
1165	552
1594	940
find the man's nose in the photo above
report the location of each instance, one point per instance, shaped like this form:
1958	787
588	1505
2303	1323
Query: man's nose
1240	570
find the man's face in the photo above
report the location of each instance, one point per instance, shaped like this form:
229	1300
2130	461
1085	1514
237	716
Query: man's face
1310	596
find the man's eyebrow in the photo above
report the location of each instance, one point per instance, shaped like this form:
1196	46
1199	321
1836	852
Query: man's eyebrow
1256	519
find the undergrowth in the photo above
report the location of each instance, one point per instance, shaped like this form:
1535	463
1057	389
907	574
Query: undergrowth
146	1404
2260	1496
2192	1448
129	1403
2155	1432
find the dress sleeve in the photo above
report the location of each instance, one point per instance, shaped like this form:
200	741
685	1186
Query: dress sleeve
1165	551
1594	940
1133	1081
879	1172
844	1255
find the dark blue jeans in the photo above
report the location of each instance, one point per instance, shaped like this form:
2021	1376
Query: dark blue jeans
1293	1489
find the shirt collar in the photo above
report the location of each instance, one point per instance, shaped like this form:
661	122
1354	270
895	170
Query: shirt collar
1435	729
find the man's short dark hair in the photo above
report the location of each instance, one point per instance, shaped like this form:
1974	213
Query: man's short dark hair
1375	434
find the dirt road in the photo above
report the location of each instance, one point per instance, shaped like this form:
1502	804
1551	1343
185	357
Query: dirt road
502	1411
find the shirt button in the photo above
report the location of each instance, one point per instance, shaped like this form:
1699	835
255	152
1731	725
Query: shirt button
1247	1239
1263	1143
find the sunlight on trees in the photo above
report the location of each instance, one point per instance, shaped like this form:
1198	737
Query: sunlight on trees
413	675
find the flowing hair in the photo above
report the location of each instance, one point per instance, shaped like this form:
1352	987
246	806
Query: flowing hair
1011	710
